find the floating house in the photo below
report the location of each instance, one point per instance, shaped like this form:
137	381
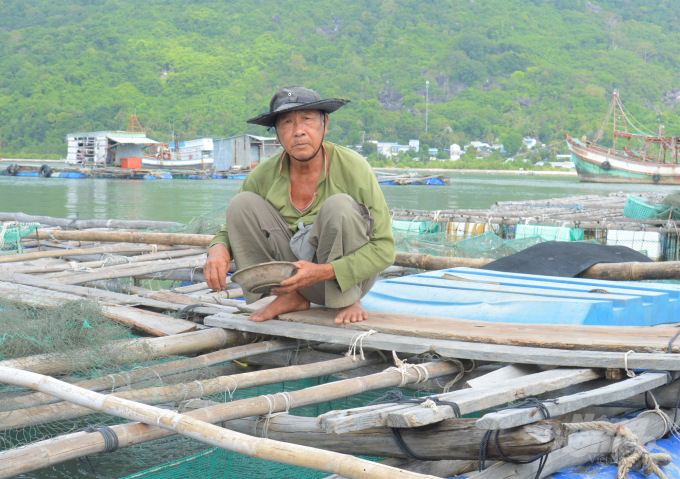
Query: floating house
106	148
243	152
192	154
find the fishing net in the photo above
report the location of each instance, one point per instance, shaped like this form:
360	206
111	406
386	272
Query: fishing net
78	340
207	224
486	245
11	234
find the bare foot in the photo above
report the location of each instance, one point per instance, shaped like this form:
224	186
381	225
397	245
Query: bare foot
351	314
286	303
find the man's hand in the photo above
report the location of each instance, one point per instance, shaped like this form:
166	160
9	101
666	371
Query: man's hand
307	275
216	267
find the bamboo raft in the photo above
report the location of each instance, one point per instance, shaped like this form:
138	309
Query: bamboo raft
459	367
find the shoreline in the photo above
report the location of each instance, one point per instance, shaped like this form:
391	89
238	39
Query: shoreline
468	171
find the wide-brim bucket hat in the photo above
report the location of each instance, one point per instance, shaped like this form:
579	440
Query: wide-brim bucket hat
296	98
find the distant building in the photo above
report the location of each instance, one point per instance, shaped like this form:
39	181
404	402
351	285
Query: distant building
455	152
393	148
105	148
433	151
243	151
499	147
530	142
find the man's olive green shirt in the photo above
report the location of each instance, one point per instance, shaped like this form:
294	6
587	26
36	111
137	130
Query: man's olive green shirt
347	173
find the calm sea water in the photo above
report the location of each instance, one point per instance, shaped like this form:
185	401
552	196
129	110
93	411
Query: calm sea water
182	200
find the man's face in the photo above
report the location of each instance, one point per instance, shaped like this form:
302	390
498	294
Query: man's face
300	132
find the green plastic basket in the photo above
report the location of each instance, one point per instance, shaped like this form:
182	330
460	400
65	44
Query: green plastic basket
639	208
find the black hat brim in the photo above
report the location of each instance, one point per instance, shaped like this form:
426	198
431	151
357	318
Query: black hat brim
327	106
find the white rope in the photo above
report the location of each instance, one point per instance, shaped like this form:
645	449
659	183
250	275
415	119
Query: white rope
229	391
403	368
358	342
200	386
272	405
629	373
154	248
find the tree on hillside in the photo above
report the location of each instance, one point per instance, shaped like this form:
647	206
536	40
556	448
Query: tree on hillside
512	142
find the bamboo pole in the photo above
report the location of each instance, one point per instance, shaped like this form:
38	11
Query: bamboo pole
609	271
57	270
128	237
236	409
108	296
126	272
193	428
152	348
84	224
126	378
116	248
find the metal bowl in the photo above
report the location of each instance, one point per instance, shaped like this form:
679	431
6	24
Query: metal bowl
261	278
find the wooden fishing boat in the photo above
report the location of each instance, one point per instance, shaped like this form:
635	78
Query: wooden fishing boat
646	157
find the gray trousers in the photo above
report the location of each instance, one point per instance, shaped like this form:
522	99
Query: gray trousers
258	234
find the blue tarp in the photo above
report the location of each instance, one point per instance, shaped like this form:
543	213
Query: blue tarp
522	298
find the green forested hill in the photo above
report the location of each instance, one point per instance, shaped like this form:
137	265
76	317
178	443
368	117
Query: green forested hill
497	68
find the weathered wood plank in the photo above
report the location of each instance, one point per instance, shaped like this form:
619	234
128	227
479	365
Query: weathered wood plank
560	336
468	400
566	404
451	349
148	321
505	373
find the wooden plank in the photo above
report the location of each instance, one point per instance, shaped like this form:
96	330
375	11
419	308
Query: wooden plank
451	349
147	321
562	336
505	373
468	400
515	417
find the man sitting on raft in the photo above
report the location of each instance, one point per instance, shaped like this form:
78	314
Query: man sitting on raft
318	205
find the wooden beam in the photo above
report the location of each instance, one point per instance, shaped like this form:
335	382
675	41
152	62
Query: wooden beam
468	400
451	349
450	439
614	392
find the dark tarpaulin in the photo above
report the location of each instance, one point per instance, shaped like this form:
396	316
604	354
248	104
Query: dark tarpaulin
563	258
